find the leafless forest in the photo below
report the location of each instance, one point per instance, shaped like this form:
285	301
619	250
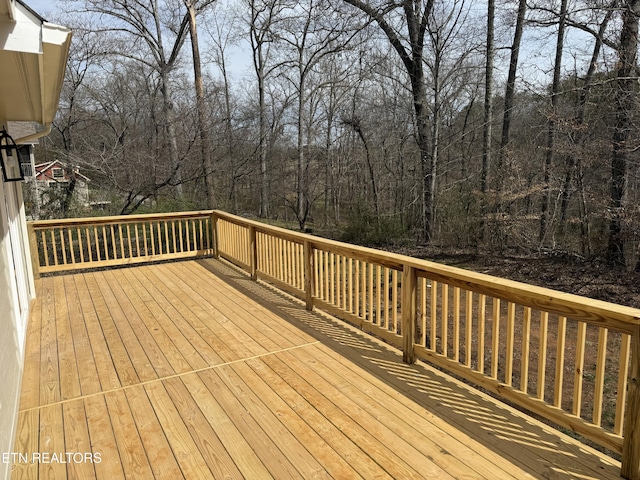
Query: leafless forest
383	120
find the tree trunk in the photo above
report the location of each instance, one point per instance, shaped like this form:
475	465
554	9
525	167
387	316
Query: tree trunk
170	131
625	103
551	126
578	137
510	92
488	117
201	108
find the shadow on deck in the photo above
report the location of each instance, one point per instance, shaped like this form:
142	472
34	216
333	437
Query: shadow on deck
191	370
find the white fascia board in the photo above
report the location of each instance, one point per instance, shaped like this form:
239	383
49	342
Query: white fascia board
23	34
54	34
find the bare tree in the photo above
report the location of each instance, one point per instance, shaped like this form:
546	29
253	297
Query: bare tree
487	129
409	45
143	20
625	104
312	31
193	7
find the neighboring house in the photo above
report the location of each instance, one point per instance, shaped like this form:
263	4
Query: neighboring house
33	55
55	176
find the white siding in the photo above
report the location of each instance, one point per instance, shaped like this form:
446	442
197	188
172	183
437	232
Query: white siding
16	291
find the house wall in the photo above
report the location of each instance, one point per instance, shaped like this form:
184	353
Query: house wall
16	292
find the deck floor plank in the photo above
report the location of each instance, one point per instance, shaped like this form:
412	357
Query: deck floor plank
154	441
27	442
51	444
49	368
296	439
77	443
191	370
147	358
270	327
367	437
134	457
106	371
185	450
207	440
245	458
409	443
229	349
30	392
103	440
187	356
119	354
232	332
165	357
199	334
264	432
68	367
371	394
84	358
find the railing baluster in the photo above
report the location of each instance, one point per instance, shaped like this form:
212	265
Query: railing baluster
122	254
434	315
423	312
129	240
394	300
95	236
600	368
511	316
482	311
370	299
579	369
557	391
72	252
385	323
468	323
113	243
495	338
444	315
135	227
46	252
456	324
542	353
526	338
63	247
54	247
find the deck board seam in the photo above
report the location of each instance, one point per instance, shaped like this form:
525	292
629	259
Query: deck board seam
177	375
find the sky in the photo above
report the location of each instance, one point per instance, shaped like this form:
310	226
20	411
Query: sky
535	62
44	6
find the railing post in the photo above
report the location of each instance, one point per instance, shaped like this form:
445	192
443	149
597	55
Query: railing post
253	253
631	446
214	233
33	247
308	274
409	299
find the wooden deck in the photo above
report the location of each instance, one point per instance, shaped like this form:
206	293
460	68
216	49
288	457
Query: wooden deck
190	370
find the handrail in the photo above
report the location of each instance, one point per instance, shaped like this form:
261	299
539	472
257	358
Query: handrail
508	337
544	350
81	243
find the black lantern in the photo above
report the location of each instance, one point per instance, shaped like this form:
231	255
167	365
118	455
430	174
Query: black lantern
11	166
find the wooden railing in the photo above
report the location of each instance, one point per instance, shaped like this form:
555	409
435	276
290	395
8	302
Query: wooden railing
79	243
550	352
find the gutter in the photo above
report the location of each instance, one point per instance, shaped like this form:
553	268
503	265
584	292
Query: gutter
35	136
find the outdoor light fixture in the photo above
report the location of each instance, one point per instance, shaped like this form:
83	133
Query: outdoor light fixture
11	167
